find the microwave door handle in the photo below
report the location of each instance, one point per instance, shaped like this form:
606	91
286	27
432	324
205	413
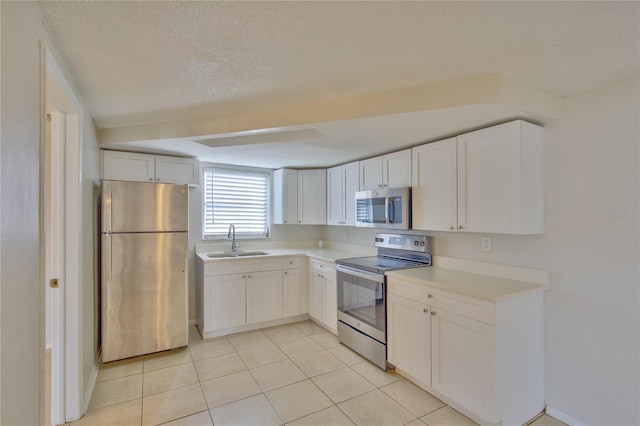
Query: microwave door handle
390	213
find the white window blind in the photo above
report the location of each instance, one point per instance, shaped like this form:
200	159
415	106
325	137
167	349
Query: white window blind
238	197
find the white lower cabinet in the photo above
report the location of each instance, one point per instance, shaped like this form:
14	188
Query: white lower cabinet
323	296
462	357
409	338
264	296
482	357
237	294
291	293
316	296
225	296
330	308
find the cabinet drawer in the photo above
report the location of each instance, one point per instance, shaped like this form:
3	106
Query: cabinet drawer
237	266
469	307
290	263
322	266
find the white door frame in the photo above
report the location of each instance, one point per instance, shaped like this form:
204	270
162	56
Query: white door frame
67	369
55	257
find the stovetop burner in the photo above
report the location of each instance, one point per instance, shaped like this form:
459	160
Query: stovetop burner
379	264
395	251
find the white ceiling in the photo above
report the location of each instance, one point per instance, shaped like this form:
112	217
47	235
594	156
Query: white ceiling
142	67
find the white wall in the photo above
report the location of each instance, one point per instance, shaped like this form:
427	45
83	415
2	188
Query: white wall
592	323
20	226
20	236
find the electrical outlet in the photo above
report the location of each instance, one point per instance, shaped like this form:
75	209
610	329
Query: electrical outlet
486	244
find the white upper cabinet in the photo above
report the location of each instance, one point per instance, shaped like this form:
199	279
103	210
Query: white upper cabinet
490	180
129	166
285	196
300	196
387	171
138	167
177	170
312	197
371	174
434	189
342	184
501	179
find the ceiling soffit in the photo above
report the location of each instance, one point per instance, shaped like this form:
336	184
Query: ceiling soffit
494	89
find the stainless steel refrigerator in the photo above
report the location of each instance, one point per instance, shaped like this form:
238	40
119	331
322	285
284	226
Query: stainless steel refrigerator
144	268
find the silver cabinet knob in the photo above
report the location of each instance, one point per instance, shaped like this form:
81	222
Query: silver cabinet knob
451	228
151	178
433	312
285	272
158	179
299	221
430	296
459	226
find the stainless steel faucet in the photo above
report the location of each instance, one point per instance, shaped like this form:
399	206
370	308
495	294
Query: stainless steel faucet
232	234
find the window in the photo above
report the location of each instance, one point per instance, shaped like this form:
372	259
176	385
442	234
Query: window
238	197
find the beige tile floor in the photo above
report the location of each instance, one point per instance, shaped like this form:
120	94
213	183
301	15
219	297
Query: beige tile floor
296	374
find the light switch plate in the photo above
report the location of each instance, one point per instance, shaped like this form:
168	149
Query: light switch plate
486	244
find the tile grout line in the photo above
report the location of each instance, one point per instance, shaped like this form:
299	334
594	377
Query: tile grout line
289	358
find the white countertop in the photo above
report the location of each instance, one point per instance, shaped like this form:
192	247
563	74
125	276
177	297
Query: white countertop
468	283
325	254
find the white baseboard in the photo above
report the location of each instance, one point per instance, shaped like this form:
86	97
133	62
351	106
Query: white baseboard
563	417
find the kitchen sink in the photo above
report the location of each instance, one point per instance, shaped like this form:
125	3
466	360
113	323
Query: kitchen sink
238	254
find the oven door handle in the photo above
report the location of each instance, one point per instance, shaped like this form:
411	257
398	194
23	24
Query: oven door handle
373	277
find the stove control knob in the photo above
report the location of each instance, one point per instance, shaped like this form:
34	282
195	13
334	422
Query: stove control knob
422	244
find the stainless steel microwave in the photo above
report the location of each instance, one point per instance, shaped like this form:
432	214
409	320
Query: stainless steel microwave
384	208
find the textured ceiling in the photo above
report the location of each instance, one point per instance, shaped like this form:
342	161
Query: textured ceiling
152	62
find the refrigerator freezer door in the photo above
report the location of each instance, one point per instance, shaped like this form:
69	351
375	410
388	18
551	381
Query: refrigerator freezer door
144	294
144	207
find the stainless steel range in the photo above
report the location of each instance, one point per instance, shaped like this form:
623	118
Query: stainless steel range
362	287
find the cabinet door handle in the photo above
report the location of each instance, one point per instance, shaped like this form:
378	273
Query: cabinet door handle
433	312
244	276
430	296
459	226
284	221
425	310
248	276
299	221
158	179
151	179
451	228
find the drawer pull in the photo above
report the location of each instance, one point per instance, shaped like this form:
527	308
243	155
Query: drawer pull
433	312
430	296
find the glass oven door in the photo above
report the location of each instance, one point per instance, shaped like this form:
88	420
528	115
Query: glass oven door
361	301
